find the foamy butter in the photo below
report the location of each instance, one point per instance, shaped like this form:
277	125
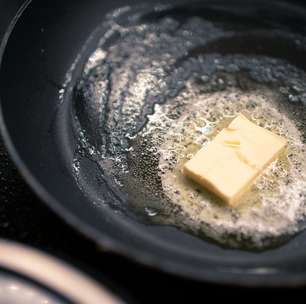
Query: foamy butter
275	203
153	103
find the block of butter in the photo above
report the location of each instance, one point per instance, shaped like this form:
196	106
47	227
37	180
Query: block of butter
230	163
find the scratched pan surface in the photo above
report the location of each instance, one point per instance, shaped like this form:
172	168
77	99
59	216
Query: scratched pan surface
40	132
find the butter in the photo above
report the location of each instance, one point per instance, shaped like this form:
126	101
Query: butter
230	163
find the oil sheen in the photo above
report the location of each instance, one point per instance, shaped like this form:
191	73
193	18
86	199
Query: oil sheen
158	86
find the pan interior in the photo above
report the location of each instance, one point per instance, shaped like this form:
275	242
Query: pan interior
156	85
45	139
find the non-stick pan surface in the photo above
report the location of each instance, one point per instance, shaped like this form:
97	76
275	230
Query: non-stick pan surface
42	44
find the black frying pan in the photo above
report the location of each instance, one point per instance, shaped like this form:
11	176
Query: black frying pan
38	49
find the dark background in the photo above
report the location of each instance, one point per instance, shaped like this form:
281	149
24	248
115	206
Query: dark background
24	218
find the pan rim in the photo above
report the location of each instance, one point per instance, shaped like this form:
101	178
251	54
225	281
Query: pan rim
220	276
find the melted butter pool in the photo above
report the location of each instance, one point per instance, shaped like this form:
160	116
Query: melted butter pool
159	85
274	204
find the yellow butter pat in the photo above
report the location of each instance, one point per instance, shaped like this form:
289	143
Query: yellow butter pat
230	163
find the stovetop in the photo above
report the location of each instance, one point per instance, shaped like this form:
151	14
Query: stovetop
26	219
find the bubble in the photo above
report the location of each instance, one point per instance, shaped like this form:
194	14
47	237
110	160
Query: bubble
150	212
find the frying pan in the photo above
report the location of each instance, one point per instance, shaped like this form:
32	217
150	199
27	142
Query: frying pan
38	49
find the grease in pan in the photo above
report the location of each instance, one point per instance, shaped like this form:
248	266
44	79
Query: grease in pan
151	95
